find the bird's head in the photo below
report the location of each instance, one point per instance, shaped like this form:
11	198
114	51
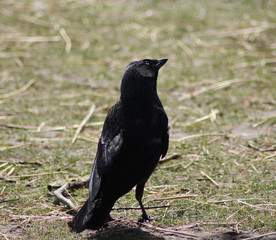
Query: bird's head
140	77
147	68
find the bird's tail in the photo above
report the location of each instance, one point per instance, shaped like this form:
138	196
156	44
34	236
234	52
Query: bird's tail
93	218
79	224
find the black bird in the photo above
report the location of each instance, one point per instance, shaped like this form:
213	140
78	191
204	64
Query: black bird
135	135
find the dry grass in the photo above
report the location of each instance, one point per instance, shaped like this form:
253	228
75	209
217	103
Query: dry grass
61	58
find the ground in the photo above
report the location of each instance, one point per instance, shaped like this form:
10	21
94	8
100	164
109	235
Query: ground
63	60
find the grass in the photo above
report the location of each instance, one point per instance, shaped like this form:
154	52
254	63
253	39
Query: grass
76	52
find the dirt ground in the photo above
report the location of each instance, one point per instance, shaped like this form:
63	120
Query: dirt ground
129	229
61	59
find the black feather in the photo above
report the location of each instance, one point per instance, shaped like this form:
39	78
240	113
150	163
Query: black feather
134	137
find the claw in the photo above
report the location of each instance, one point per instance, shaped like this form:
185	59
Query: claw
145	218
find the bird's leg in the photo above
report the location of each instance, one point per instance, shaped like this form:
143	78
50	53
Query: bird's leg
139	195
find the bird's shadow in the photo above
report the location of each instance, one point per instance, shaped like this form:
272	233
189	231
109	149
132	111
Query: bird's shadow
123	232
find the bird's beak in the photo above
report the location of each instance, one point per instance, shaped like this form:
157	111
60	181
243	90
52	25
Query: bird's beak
161	62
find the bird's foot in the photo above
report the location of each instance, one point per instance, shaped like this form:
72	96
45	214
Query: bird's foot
145	218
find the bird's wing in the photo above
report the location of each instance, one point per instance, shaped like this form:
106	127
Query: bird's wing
165	137
163	126
109	147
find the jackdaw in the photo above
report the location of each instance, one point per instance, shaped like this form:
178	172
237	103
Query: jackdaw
135	135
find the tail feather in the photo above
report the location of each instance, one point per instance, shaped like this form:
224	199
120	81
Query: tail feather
79	223
93	219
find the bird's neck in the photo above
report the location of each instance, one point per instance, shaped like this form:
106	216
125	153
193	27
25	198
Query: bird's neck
145	95
146	98
138	88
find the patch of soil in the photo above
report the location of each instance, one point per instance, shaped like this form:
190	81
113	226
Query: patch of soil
10	231
123	229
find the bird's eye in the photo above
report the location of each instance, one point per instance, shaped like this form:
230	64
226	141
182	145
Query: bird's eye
147	63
